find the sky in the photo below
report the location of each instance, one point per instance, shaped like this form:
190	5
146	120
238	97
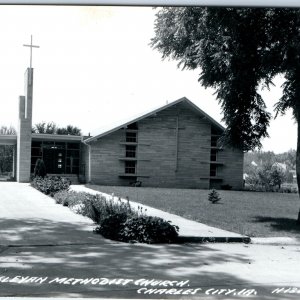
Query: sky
95	67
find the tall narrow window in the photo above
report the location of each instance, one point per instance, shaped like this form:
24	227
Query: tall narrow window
214	141
213	155
130	151
131	137
213	170
130	167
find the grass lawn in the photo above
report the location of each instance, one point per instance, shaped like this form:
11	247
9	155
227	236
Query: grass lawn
249	213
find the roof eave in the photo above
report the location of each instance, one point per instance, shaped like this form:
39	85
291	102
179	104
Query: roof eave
183	99
57	137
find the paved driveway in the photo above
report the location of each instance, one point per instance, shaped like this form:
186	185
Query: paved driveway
48	251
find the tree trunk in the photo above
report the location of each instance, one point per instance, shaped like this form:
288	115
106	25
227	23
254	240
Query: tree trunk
298	161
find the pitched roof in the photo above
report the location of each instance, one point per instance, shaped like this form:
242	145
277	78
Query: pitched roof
111	129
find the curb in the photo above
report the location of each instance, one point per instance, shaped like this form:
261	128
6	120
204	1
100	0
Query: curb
194	239
276	241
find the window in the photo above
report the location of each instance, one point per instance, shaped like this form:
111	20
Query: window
130	167
131	137
130	151
213	170
214	141
213	155
36	152
73	145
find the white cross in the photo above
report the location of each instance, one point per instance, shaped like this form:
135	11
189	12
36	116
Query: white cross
31	46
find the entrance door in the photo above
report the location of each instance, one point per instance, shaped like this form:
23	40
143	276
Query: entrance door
54	160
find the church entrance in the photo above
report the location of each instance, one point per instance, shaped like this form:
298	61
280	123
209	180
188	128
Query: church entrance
60	157
54	160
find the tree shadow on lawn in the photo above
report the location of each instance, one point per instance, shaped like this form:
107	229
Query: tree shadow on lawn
72	252
280	224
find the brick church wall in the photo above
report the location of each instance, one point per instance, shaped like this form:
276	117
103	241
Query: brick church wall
105	165
158	146
160	162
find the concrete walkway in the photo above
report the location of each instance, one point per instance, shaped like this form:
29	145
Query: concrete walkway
28	217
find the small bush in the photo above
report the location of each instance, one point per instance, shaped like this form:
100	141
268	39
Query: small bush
148	229
214	196
50	185
98	208
68	198
112	226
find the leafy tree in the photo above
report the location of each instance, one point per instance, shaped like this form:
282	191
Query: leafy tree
288	158
52	128
7	130
236	51
71	130
266	176
277	176
43	127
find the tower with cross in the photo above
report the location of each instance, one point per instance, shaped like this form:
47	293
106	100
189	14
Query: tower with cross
25	123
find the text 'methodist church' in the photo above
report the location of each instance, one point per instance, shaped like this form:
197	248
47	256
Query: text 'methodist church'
173	146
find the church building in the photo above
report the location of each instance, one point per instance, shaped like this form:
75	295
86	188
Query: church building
174	146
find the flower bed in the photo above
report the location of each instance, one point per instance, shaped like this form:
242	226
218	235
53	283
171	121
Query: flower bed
115	219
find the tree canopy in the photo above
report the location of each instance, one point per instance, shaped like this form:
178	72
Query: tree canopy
236	50
5	130
52	128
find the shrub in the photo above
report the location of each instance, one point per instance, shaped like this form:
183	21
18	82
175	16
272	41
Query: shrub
98	207
112	226
214	196
50	185
69	198
148	229
40	169
118	221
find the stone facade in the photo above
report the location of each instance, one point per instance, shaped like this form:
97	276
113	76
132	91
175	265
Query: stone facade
173	149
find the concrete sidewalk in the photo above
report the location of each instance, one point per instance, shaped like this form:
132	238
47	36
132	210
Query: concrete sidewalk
28	217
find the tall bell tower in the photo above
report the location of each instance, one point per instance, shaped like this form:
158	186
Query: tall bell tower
24	130
25	125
